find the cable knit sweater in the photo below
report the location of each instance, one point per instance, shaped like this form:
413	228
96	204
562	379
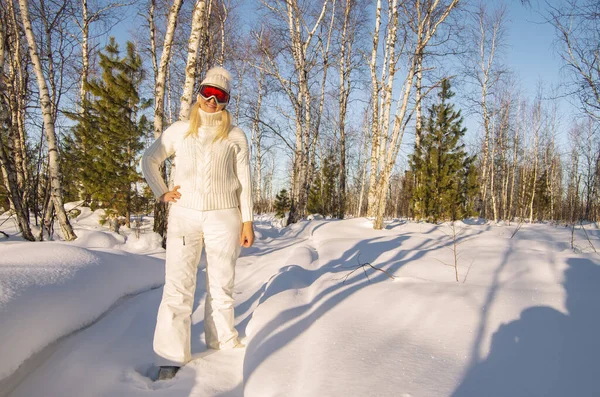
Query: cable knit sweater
212	175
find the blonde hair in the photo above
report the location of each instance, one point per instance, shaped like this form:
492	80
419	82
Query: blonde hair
196	122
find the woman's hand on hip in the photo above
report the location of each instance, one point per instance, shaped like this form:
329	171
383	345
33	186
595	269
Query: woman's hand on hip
173	195
247	237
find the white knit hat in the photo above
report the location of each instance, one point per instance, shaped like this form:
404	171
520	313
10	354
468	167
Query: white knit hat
218	77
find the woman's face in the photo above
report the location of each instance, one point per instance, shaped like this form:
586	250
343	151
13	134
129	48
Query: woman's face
209	106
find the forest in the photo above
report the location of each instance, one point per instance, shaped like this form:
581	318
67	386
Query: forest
330	93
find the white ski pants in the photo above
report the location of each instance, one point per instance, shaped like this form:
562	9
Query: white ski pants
188	230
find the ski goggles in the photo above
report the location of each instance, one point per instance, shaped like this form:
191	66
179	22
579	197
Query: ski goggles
208	91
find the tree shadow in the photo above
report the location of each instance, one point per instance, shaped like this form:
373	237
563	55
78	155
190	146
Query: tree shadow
546	352
291	323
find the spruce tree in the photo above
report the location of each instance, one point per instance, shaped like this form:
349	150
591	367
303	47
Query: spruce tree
323	198
282	203
108	135
443	172
315	199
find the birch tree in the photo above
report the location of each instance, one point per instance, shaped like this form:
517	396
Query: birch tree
537	125
161	75
300	32
350	26
257	135
483	69
9	173
161	70
421	20
49	116
577	25
198	26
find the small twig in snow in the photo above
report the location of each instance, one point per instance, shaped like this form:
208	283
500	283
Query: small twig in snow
468	270
362	266
588	237
517	228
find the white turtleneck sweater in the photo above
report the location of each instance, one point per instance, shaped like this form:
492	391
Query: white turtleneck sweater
212	175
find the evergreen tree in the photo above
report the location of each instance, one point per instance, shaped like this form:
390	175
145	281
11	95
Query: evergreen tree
108	136
444	174
469	188
282	203
323	198
315	199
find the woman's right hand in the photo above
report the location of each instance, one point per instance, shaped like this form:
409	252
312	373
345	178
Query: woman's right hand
173	195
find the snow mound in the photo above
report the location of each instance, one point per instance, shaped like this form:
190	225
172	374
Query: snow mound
50	289
98	239
89	218
144	243
46	265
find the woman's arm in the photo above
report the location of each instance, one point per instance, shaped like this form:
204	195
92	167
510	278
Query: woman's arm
243	173
242	169
154	156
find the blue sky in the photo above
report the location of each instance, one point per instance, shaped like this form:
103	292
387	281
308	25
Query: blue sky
529	54
531	51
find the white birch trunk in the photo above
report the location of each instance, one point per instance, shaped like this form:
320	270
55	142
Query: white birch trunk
300	47
17	102
9	174
345	59
192	58
537	118
486	77
159	84
376	130
257	141
223	22
514	163
152	30
47	112
85	52
492	175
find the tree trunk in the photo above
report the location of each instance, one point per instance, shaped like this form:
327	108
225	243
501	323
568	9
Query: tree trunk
160	209
537	118
299	48
222	22
376	132
192	59
363	178
257	140
491	177
345	59
159	84
17	98
8	172
47	112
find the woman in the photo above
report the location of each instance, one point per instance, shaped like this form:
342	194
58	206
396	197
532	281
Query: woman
211	206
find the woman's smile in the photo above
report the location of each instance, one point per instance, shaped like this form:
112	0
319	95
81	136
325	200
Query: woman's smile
210	106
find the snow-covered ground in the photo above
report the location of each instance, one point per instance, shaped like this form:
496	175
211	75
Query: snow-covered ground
318	319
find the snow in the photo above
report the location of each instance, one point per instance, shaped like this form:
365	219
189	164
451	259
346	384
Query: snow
318	320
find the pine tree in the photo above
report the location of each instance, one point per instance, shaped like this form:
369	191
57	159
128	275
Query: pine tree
315	199
443	171
282	203
323	198
469	188
108	135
